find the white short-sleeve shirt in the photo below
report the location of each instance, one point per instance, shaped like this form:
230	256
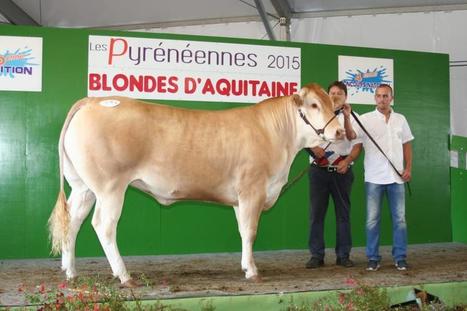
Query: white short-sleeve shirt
390	137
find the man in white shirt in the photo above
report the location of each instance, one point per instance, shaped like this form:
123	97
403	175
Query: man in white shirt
392	133
331	175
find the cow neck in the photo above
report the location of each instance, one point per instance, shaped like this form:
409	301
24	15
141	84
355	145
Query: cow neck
276	115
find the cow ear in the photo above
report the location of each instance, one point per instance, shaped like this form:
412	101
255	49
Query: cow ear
298	98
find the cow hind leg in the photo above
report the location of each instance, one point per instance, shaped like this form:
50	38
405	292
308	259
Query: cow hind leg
106	214
247	217
80	202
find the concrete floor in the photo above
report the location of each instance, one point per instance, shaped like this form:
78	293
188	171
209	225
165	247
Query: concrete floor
204	275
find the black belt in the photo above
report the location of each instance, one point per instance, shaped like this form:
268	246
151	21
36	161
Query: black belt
330	169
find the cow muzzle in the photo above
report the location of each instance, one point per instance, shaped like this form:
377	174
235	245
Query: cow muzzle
340	134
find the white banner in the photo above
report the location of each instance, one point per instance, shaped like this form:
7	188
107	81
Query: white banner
190	70
20	63
362	75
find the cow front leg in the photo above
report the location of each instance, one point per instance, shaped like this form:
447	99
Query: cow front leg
248	217
80	202
106	215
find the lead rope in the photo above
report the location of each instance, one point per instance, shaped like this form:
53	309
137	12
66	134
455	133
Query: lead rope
299	175
320	133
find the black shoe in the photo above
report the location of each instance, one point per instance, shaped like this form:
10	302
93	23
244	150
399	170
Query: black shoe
373	265
314	263
401	265
344	262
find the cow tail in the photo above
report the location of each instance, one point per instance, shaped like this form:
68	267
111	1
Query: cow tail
59	220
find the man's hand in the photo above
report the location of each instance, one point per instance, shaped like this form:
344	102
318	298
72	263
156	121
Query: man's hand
319	152
406	174
343	166
346	109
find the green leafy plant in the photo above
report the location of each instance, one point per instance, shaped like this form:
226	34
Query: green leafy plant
93	294
88	294
364	297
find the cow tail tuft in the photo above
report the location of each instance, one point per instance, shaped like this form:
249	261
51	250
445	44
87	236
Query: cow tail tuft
59	220
58	224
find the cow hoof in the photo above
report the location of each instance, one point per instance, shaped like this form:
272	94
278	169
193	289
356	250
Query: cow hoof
130	284
255	279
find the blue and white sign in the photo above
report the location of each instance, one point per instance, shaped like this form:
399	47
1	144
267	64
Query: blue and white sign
362	75
20	63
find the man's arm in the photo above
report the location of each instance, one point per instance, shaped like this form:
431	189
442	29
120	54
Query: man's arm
316	152
349	131
407	150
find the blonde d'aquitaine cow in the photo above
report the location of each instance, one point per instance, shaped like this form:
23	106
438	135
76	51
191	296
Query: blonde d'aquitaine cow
239	157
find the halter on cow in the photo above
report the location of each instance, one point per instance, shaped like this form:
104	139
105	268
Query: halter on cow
108	144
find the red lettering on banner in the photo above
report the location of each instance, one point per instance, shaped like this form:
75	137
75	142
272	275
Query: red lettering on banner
136	82
190	85
105	87
208	87
173	86
293	88
149	84
253	83
161	84
239	87
280	89
264	90
94	81
122	83
98	82
223	87
169	84
112	49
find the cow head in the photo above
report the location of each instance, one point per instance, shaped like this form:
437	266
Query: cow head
316	120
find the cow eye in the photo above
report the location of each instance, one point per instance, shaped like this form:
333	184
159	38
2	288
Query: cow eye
314	106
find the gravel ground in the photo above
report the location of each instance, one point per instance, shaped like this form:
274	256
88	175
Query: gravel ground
220	274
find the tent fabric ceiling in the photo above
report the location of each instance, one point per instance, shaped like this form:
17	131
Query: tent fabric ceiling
134	14
3	19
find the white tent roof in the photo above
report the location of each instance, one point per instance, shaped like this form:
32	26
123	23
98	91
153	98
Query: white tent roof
124	14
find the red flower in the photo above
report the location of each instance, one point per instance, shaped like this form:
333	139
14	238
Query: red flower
62	285
42	288
341	298
21	288
351	282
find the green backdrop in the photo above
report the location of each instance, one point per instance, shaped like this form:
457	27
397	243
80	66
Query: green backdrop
458	189
30	123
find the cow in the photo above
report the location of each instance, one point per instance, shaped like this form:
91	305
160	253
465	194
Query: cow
239	157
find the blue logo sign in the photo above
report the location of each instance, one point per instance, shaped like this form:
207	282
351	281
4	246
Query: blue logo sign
366	81
16	63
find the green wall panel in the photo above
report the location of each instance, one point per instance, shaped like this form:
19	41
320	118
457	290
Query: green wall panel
30	124
459	204
458	190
